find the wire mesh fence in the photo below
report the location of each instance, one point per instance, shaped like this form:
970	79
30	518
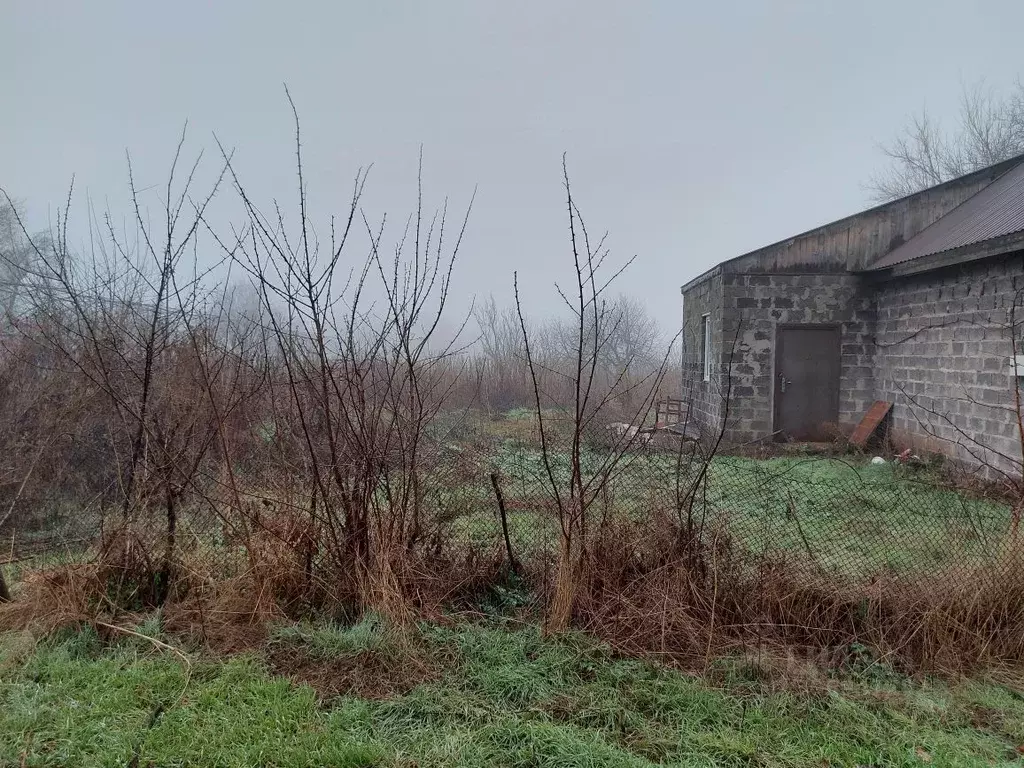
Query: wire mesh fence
843	516
489	492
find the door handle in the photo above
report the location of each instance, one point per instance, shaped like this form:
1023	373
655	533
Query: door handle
784	381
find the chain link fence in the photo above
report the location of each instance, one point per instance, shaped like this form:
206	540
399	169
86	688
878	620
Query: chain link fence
842	516
486	491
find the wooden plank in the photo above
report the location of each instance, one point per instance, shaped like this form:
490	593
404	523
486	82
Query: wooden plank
871	421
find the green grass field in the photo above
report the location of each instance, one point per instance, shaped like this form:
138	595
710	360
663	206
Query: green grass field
854	517
497	695
846	515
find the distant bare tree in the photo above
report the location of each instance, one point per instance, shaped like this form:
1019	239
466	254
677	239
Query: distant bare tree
501	341
502	363
990	129
627	339
628	343
243	312
16	257
634	340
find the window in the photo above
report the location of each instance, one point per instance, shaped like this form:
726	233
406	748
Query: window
705	349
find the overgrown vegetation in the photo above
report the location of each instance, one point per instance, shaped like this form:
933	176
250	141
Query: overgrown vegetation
221	463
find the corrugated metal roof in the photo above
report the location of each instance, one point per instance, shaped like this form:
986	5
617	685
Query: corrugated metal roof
995	211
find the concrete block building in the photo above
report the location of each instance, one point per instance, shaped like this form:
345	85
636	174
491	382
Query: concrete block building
918	302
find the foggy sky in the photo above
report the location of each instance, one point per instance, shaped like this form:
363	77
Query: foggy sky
694	131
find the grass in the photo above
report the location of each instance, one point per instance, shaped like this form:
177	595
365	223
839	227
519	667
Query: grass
329	640
854	517
73	702
851	517
480	695
507	697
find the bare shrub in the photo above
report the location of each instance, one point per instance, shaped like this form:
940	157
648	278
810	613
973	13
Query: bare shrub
362	374
574	482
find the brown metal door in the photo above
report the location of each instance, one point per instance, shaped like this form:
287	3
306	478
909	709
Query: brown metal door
806	381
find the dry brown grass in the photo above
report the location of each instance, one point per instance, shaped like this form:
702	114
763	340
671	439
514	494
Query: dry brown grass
15	648
650	596
644	588
368	674
227	617
51	598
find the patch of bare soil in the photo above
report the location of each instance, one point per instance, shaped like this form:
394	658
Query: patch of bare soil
994	721
368	675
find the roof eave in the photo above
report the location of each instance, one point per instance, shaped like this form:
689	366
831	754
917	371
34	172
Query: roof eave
998	246
702	277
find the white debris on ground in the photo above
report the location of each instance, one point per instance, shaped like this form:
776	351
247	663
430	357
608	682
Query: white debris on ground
622	429
629	432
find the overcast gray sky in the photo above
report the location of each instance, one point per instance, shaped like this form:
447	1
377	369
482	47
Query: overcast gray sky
694	131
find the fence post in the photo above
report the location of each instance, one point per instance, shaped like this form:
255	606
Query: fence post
504	523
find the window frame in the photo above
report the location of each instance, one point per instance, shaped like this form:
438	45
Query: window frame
705	346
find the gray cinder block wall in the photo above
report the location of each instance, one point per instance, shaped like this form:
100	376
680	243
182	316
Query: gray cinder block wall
756	305
937	345
944	341
703	399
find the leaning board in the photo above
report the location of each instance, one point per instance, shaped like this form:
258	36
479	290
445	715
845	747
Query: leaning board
874	416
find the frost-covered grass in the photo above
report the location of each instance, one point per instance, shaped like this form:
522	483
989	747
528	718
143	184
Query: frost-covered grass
507	697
